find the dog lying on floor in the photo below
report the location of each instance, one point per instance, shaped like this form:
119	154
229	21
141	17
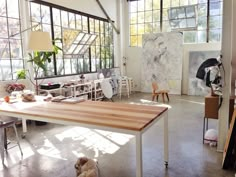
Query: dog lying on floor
86	167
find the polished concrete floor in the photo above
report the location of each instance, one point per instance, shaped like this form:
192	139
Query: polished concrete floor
52	150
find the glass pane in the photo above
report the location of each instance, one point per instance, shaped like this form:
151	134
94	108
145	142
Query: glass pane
183	23
141	5
201	36
35	12
4	49
166	26
202	23
74	66
64	19
140	29
202	9
78	22
215	8
173	14
133	18
85	23
5	70
67	66
191	2
181	13
156	15
57	32
191	22
93	67
97	26
133	6
215	35
140	40
86	65
14	27
148	27
148	4
72	20
148	16
60	66
166	3
175	3
12	8
133	29
215	22
156	27
190	36
91	25
156	4
174	24
45	13
133	40
3	31
140	17
16	65
2	8
183	2
56	17
190	12
16	50
165	14
80	66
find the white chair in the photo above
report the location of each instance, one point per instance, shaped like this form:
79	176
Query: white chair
131	84
107	89
124	85
8	122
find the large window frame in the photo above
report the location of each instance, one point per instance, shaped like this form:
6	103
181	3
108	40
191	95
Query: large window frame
151	16
99	55
11	47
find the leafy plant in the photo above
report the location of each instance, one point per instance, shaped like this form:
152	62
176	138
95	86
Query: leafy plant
40	59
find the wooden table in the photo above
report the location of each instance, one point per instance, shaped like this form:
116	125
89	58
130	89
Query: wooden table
115	117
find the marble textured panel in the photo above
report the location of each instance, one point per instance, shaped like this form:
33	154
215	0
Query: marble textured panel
162	61
196	58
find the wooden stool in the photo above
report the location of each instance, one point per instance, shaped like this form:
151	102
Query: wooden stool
156	93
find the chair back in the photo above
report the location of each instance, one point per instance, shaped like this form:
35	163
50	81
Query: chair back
154	87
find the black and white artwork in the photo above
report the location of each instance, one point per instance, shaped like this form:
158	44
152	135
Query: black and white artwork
196	58
162	61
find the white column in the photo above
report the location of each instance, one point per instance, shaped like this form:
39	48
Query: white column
227	51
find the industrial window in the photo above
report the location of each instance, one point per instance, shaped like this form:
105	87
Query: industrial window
152	16
87	41
11	58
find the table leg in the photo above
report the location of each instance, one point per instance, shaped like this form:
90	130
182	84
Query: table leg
24	127
139	160
166	146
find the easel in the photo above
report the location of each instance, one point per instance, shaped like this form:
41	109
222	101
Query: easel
229	154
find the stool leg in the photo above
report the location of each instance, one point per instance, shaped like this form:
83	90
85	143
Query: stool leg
163	98
157	97
2	144
203	130
167	97
17	139
153	97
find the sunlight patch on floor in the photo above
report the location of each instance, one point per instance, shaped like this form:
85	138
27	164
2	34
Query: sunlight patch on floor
48	149
150	103
101	142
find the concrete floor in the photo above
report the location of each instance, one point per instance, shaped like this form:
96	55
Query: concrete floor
52	150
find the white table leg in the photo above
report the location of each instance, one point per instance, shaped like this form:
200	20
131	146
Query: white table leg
166	146
139	160
24	127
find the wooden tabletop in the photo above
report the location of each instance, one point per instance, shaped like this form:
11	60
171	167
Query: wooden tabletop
114	115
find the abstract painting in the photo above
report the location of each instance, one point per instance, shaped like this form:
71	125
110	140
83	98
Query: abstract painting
162	61
196	58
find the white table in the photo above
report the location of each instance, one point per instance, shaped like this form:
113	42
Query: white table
115	117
